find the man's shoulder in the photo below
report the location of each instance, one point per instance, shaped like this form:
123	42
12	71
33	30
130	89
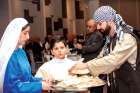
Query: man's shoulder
131	34
128	35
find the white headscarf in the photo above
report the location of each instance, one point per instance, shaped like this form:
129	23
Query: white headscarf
8	44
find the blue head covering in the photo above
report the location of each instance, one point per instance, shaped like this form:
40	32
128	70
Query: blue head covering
104	13
107	13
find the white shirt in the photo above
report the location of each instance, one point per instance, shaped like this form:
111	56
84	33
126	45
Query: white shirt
56	68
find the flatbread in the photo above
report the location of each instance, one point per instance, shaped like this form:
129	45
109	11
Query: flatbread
85	71
80	82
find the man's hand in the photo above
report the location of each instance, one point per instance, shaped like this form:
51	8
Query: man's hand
78	68
78	46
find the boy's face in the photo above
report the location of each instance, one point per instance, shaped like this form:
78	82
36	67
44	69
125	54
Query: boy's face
59	50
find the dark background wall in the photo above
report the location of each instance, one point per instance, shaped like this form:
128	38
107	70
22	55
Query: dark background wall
129	9
4	16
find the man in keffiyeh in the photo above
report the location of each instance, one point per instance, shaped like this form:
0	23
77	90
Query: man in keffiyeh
123	58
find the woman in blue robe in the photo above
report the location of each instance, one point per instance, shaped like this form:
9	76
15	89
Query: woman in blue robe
18	78
15	70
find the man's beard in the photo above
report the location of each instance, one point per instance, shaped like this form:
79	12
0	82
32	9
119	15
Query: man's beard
106	31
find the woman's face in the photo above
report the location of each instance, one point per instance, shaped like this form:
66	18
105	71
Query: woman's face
59	50
24	36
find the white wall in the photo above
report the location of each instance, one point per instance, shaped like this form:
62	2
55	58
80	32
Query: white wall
88	6
92	6
17	10
54	10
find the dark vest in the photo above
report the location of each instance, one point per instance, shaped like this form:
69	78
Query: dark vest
127	77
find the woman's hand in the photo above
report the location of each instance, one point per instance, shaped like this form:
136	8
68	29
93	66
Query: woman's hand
47	85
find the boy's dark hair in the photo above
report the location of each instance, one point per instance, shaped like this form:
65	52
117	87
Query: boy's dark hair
54	41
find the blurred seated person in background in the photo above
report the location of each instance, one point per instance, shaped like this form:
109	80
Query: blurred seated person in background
80	38
36	48
58	67
71	40
15	71
93	43
46	45
29	52
46	49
